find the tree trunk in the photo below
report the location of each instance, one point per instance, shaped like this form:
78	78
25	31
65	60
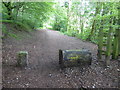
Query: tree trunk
94	22
92	31
109	44
82	25
119	28
68	19
119	41
116	45
100	37
100	41
9	9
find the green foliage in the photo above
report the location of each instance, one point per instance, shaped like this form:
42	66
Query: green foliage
60	25
25	15
32	14
60	18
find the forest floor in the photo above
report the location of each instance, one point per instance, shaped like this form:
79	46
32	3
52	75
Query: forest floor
43	70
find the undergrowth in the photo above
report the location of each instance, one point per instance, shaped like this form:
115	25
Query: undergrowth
16	26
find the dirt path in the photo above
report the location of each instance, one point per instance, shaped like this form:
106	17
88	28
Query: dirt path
44	71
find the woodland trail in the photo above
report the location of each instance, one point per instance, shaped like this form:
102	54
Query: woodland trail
43	71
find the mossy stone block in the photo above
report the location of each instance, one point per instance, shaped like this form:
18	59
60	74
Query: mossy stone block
22	58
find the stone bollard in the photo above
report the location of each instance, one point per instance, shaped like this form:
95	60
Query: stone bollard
22	59
71	58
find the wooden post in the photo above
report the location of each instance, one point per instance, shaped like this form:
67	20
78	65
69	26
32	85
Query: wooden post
61	59
100	42
22	58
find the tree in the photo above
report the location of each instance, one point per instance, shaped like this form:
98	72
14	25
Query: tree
100	36
10	6
97	11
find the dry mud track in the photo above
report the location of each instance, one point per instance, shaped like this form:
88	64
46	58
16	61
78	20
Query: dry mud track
43	70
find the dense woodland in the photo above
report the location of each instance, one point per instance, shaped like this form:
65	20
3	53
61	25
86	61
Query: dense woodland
97	22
